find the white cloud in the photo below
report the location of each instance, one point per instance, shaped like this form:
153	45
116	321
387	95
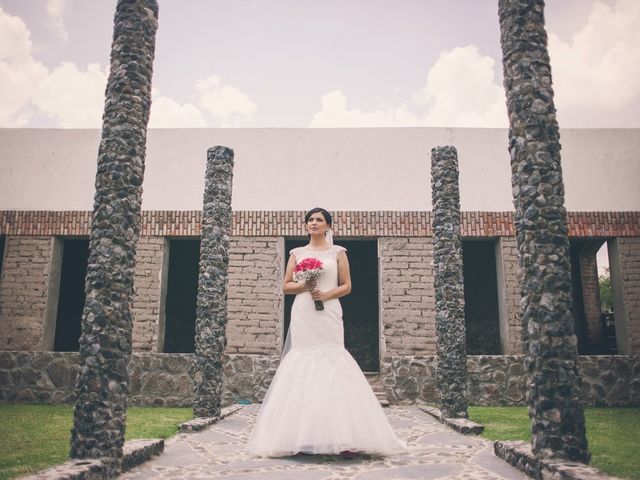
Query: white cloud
231	106
55	12
335	113
168	113
597	71
460	91
74	97
19	73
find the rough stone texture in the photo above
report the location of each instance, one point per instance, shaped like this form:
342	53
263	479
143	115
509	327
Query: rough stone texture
499	380
105	342
408	378
161	379
148	302
451	382
496	380
200	423
520	456
610	381
75	469
509	296
247	377
255	295
135	452
550	349
24	292
407	297
211	321
156	379
461	425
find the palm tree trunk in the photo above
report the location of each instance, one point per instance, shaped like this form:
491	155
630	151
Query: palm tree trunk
451	375
211	321
102	386
549	342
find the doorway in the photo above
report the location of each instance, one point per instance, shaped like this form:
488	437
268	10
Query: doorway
481	310
360	309
182	296
75	257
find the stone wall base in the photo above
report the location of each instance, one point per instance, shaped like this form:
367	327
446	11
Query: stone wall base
163	379
499	380
519	455
134	453
156	379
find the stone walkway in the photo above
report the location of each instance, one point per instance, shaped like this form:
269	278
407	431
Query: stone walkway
435	452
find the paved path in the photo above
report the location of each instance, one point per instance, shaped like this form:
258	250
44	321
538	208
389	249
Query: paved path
435	452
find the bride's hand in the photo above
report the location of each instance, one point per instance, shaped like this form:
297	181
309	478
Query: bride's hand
318	295
311	285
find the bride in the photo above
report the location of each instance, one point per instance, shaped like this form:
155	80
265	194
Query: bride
319	400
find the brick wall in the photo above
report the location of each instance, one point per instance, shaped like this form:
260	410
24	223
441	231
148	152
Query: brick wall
148	302
291	223
629	258
25	306
509	295
407	295
255	295
591	292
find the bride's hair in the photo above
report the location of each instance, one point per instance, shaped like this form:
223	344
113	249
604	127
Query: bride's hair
325	214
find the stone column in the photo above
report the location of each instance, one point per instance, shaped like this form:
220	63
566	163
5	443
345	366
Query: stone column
213	281
451	380
550	350
105	343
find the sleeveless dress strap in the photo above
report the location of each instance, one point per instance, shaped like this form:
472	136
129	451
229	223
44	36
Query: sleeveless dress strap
295	251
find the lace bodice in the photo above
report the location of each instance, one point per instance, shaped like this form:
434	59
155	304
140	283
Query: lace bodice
328	257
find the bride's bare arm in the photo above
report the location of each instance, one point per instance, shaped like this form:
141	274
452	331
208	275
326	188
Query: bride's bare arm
344	281
289	286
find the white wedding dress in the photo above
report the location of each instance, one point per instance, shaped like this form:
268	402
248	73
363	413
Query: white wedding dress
319	400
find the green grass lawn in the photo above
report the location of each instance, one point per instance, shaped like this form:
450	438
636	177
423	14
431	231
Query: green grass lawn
613	434
33	437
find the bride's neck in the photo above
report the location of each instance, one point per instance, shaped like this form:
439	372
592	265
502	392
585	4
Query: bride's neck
318	241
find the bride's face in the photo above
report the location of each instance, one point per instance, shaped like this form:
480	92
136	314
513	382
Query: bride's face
317	224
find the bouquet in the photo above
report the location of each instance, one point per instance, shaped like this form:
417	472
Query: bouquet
309	270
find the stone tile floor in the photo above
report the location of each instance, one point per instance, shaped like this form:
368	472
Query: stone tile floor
435	452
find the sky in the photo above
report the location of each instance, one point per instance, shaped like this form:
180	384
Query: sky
310	63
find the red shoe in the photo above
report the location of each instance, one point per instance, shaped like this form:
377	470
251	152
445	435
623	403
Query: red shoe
348	454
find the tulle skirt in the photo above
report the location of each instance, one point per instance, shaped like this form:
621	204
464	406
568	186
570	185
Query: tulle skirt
320	402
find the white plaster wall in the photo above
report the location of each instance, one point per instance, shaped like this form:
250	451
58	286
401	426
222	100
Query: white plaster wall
296	169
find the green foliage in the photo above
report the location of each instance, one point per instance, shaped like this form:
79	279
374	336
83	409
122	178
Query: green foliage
33	437
606	294
613	434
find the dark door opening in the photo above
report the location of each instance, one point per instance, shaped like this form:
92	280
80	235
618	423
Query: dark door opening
359	308
75	256
481	312
182	295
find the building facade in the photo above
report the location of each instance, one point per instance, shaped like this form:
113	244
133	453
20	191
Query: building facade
375	182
